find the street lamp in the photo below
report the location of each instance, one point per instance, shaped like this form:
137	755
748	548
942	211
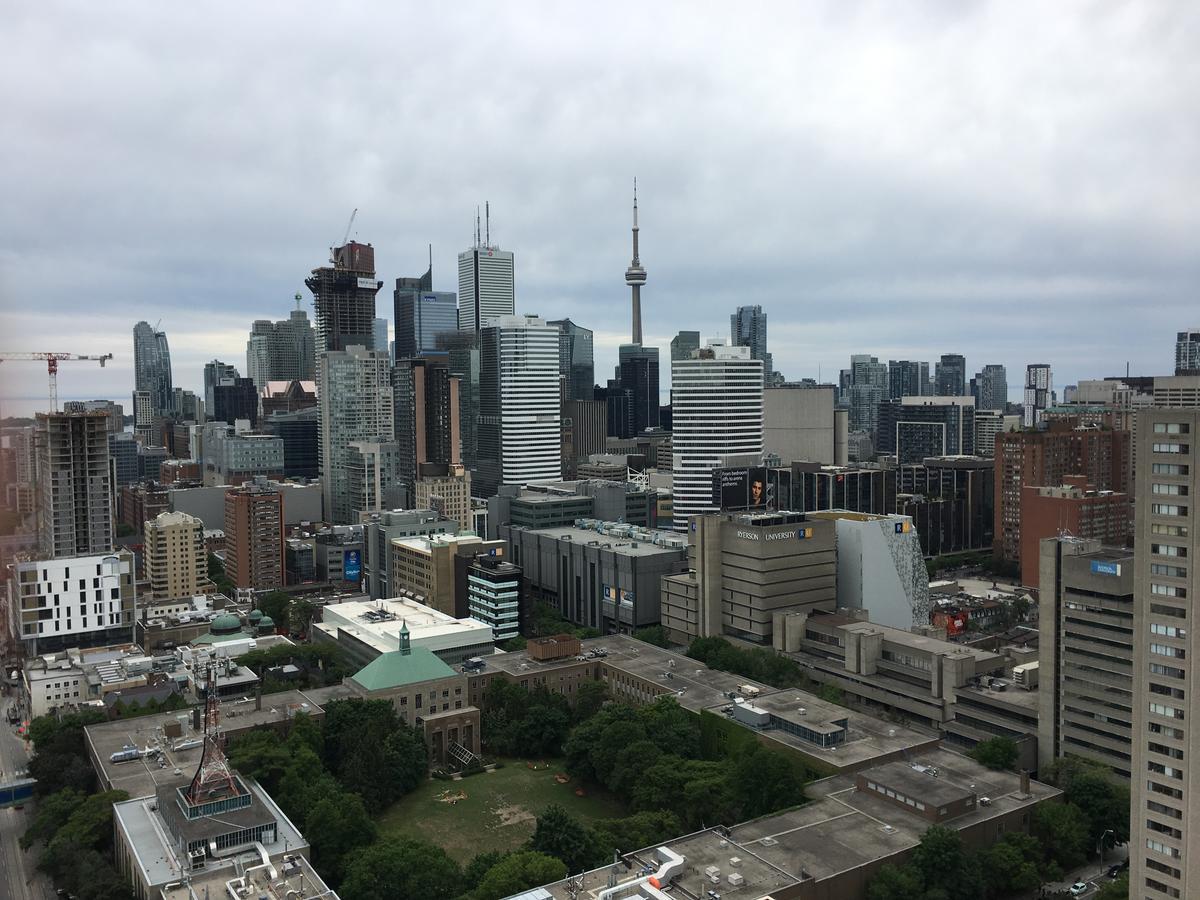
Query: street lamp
1107	832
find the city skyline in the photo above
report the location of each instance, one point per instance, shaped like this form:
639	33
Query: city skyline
1013	219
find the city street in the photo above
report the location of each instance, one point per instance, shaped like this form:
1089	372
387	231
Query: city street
18	880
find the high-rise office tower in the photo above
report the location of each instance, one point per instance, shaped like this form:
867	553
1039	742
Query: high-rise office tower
637	376
635	275
867	389
717	407
426	412
143	419
421	314
683	344
1187	352
355	400
519	403
991	388
1039	389
380	328
907	378
1165	816
1085	658
152	366
74	484
950	375
176	562
214	373
748	328
486	282
575	363
283	350
462	352
913	428
233	399
254	536
344	298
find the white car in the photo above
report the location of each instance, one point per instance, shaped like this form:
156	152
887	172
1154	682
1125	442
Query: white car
1079	888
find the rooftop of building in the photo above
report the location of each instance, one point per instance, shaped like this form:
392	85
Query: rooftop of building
698	688
621	538
426	543
294	876
843	829
158	858
143	776
906	638
399	667
378	623
989	691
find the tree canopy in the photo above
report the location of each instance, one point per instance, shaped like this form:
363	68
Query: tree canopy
996	753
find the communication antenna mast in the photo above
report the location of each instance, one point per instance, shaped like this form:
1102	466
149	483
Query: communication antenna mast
487	218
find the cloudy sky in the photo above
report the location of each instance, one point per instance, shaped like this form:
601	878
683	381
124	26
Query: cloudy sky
1014	181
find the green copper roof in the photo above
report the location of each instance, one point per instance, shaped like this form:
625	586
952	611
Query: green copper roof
225	623
396	669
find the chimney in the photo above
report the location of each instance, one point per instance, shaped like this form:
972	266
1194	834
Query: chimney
258	697
1024	783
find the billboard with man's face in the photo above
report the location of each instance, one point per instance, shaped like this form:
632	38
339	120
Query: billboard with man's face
751	488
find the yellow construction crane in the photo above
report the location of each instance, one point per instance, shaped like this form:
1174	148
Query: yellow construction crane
52	361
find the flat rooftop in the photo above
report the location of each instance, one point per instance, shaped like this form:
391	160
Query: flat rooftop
840	830
143	776
1013	695
155	854
908	638
626	546
378	623
295	877
698	688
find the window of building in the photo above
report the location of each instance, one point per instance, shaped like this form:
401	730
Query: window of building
1171	427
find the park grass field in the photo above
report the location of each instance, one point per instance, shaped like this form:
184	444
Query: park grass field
499	811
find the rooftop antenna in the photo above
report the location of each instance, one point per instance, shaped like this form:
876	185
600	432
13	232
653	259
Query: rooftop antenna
487	218
476	226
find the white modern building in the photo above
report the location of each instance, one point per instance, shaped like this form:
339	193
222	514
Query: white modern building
717	411
72	601
366	629
486	285
355	405
520	430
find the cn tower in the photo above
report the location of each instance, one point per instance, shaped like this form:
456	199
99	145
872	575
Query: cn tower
635	276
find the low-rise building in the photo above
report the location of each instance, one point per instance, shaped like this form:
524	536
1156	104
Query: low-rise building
365	629
829	848
380	529
602	575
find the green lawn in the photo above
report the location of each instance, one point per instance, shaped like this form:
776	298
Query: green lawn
499	811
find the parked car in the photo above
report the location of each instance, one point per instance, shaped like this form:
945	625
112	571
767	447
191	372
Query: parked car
1079	888
1117	868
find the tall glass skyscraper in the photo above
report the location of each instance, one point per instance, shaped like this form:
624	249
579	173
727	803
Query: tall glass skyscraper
748	328
152	367
421	314
575	361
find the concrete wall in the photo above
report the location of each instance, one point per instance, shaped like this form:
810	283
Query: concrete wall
799	424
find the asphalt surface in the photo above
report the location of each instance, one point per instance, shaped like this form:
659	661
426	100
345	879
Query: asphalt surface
18	878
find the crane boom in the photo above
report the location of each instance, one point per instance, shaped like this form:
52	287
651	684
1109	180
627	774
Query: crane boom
52	361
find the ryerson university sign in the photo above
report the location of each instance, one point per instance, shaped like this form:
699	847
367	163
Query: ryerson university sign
792	534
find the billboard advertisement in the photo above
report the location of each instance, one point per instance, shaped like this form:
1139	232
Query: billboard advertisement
1105	568
352	565
752	488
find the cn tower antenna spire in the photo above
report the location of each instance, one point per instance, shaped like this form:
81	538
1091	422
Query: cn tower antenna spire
635	275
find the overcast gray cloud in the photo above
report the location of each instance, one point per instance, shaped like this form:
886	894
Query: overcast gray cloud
1014	181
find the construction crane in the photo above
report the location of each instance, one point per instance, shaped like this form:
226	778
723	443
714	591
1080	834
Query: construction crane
345	237
52	361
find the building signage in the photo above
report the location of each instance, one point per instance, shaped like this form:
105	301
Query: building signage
790	535
368	284
751	488
1105	568
352	565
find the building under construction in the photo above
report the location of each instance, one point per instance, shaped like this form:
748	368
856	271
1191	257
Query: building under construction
344	298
